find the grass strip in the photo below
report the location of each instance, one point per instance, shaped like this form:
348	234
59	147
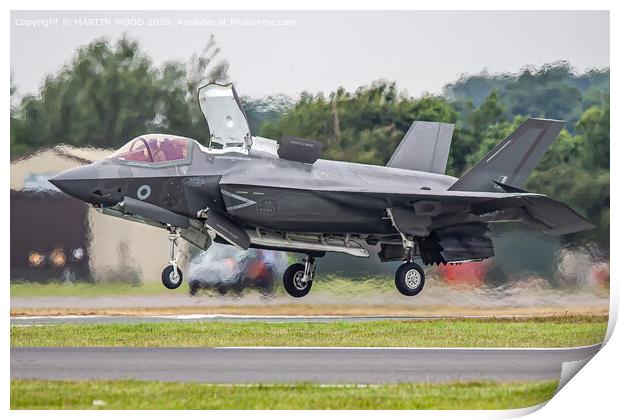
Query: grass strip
536	332
129	394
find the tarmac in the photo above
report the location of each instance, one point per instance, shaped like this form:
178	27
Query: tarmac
326	365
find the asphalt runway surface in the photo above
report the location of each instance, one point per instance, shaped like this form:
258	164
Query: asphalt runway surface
288	365
104	319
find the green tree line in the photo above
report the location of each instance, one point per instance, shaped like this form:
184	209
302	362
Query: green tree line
111	92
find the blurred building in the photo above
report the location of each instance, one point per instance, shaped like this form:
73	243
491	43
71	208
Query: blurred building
56	237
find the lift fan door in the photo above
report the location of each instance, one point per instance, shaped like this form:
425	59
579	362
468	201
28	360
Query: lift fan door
228	125
299	150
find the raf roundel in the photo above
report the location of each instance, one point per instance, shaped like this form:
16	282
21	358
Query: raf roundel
144	192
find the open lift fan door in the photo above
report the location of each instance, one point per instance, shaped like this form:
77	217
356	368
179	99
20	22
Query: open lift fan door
228	125
299	150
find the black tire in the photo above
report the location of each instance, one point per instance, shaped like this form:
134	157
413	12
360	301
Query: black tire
409	279
168	280
291	281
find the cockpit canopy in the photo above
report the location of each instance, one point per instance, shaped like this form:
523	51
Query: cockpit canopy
154	148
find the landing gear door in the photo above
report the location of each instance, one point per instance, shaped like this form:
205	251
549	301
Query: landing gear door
228	230
228	125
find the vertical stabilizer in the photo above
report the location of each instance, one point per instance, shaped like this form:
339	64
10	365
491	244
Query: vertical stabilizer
425	147
511	161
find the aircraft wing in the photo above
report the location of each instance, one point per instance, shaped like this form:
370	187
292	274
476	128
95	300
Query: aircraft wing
543	213
425	147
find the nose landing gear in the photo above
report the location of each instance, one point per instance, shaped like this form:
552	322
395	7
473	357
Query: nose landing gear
172	277
298	278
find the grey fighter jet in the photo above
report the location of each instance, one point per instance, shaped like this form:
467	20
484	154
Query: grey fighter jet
253	192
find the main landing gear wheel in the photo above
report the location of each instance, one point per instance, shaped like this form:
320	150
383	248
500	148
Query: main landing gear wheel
409	279
297	279
170	278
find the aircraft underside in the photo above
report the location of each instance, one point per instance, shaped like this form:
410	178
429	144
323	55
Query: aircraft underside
315	222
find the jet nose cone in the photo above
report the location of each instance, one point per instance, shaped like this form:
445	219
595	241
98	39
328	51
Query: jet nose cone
63	185
75	182
55	182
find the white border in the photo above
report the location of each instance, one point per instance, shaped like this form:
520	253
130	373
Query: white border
592	395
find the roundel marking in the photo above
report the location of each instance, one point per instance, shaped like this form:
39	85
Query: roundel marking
144	191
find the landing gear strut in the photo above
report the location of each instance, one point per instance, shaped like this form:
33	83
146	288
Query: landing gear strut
298	278
172	277
409	277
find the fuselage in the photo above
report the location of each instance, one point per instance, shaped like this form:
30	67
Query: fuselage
256	188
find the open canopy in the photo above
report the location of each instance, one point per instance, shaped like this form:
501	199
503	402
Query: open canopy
228	125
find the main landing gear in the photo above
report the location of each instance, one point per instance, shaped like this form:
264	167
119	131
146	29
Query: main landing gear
298	278
409	279
172	277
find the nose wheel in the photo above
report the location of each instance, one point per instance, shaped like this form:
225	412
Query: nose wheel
298	278
409	279
172	276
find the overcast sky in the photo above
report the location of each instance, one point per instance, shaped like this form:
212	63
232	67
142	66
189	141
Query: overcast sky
288	52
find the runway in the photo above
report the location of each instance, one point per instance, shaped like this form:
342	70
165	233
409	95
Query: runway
105	319
287	365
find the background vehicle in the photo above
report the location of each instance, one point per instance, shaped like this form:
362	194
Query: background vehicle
227	269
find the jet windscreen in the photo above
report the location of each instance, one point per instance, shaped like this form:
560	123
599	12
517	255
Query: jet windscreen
153	148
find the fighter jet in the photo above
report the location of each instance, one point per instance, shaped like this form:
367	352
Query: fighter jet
252	192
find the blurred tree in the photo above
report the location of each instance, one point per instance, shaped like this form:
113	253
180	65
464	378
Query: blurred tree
491	111
553	91
594	127
364	126
100	99
203	68
266	109
471	137
111	93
